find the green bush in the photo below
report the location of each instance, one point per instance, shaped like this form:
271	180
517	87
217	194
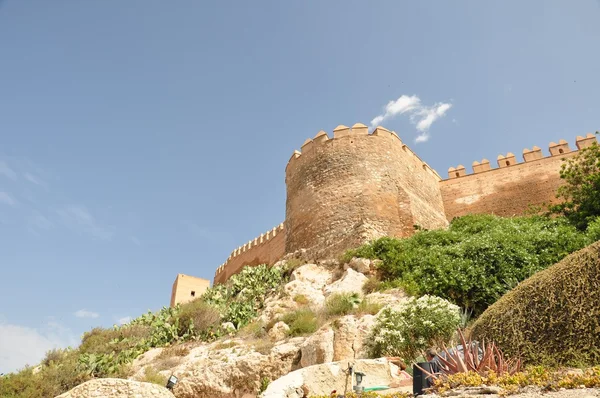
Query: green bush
552	318
243	295
301	322
593	230
413	326
341	303
476	260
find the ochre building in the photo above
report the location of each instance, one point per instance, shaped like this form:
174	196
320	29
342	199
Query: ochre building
357	186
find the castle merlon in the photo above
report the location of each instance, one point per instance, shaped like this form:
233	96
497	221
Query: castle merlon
529	155
358	129
263	238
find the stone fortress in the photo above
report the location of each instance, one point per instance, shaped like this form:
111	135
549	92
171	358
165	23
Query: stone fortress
357	186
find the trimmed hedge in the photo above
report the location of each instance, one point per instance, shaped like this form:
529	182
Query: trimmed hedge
552	318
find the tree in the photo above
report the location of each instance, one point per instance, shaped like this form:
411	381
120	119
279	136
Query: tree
581	191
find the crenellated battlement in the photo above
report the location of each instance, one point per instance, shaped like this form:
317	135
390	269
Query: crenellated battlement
529	155
358	130
264	238
351	186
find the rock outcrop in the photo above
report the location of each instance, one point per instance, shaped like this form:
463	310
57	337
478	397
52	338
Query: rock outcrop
117	388
324	378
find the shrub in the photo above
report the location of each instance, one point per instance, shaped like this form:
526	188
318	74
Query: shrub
552	317
301	322
593	230
371	285
341	303
367	307
152	376
413	326
200	319
301	299
581	192
476	260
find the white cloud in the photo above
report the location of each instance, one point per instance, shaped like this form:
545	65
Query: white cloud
21	346
7	199
402	105
420	115
34	180
86	314
7	171
124	320
80	219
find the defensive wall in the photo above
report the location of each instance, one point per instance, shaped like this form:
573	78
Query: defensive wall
356	186
265	249
346	190
512	187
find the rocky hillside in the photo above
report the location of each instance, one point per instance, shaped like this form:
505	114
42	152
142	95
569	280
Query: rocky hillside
277	343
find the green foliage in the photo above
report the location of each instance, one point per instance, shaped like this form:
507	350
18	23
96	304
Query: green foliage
413	326
553	317
240	298
593	230
476	260
301	322
264	383
581	191
341	303
152	376
50	381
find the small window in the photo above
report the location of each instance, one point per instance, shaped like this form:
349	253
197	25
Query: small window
193	293
507	163
561	150
457	174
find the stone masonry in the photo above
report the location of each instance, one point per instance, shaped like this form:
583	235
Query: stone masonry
357	186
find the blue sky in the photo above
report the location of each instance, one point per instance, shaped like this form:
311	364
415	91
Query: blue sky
141	139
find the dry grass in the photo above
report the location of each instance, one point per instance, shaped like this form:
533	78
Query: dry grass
152	376
301	299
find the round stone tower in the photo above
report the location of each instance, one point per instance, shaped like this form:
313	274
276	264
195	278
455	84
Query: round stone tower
345	191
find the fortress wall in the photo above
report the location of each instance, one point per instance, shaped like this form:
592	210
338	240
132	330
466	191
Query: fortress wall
344	191
512	187
268	248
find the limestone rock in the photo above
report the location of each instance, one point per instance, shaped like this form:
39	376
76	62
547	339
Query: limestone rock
279	331
318	348
312	273
235	372
275	307
322	379
350	282
362	265
350	335
308	281
117	388
389	297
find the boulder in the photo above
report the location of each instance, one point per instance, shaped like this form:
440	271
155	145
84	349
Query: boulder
351	282
279	331
362	265
236	372
350	336
322	379
318	348
117	388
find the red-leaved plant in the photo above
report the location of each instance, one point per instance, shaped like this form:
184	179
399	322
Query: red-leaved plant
476	357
